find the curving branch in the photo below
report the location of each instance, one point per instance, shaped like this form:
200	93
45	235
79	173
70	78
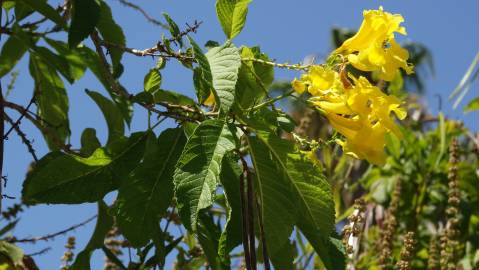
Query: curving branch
144	13
23	136
52	235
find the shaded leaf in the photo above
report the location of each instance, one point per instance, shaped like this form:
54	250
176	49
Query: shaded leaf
280	170
202	78
147	194
70	179
112	114
93	63
12	51
173	27
111	32
254	79
103	225
51	100
85	17
46	10
89	142
232	234
75	61
208	236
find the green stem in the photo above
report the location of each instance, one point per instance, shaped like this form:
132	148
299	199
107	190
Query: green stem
273	100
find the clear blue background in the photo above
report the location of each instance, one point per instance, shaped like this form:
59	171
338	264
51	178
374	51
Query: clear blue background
286	30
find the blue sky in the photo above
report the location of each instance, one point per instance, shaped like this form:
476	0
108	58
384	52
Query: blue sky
286	30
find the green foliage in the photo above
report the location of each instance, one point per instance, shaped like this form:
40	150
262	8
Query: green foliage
239	166
281	170
112	114
65	178
85	17
45	9
198	169
148	192
103	225
12	51
224	62
232	15
111	32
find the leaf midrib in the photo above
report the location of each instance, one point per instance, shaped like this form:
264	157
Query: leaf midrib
309	211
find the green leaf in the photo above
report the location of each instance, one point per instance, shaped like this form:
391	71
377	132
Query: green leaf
46	10
85	17
232	15
10	226
93	63
280	169
224	63
112	114
232	234
473	105
70	179
12	51
75	61
144	198
254	79
202	78
112	33
173	27
51	100
172	97
208	236
55	61
198	169
14	253
113	258
152	81
22	10
103	225
89	142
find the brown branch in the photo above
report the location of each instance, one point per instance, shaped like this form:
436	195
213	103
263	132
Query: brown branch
144	13
40	252
159	49
23	136
250	209
116	88
52	235
45	130
244	223
17	122
263	237
2	129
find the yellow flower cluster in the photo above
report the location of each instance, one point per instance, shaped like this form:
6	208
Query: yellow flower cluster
358	110
374	48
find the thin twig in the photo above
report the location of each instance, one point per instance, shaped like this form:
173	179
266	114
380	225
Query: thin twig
2	123
159	49
16	123
53	235
23	136
40	252
57	141
278	65
144	13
